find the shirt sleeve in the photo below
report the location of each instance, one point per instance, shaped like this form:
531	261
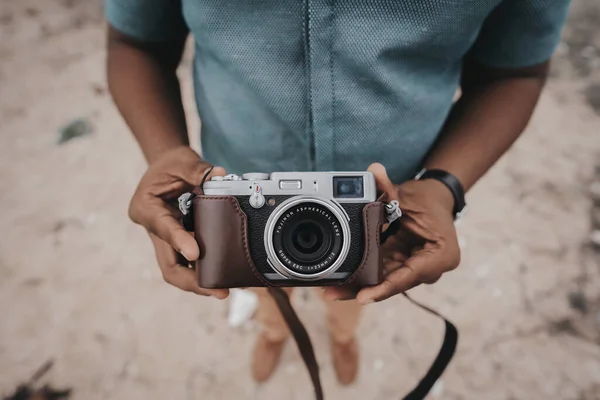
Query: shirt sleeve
147	20
521	33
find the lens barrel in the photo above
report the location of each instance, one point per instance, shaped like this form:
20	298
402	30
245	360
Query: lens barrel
307	237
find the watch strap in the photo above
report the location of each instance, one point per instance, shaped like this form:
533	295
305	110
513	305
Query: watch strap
452	183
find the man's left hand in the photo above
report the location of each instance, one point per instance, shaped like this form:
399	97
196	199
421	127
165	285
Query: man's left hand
425	246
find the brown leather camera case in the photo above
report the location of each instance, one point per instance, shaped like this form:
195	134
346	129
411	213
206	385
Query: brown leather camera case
225	261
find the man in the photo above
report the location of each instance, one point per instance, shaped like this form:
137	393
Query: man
302	85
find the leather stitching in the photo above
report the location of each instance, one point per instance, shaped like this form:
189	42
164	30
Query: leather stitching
368	244
244	230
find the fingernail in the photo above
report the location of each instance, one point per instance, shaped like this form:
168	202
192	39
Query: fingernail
187	256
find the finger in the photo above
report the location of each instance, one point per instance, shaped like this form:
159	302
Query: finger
382	180
394	257
185	279
338	293
396	282
396	249
186	165
398	256
194	176
417	232
424	266
216	171
166	227
179	275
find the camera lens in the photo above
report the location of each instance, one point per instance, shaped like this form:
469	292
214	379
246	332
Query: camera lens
307	238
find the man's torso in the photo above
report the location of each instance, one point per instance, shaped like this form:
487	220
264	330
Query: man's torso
336	84
327	85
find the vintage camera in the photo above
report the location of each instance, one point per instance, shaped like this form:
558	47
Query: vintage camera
288	229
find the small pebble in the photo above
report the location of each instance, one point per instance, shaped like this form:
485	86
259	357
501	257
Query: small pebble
483	270
378	365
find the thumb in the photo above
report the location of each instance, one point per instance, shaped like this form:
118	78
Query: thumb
382	180
195	177
216	171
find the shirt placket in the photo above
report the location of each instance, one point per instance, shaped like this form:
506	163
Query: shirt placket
321	97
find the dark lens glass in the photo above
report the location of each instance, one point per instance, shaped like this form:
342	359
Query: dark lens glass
307	237
348	187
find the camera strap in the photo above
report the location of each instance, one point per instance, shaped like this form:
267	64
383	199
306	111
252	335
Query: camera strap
305	346
301	336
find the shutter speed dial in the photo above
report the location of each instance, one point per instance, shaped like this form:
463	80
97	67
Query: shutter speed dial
255	176
232	177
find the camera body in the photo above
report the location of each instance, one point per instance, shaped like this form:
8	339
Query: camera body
288	229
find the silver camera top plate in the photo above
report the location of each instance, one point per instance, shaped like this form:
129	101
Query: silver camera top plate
318	184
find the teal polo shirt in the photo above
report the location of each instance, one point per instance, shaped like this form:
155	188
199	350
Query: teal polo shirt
298	85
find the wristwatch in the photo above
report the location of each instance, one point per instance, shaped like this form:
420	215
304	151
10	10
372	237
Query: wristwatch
452	183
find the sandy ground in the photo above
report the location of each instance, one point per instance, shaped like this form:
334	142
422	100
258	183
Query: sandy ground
79	283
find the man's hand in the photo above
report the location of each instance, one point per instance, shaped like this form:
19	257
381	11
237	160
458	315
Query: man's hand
425	246
154	207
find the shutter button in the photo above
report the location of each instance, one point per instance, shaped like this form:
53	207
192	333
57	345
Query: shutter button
257	200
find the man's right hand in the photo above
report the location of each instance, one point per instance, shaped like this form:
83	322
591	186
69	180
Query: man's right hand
154	207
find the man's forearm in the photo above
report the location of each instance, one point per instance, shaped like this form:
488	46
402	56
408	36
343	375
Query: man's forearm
146	91
493	111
